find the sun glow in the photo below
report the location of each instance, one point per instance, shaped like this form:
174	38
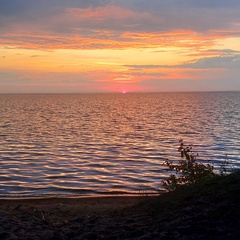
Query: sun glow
118	48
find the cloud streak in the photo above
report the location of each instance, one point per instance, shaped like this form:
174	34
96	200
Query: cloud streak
231	61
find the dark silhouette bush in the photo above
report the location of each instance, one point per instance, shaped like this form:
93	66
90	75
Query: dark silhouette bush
187	170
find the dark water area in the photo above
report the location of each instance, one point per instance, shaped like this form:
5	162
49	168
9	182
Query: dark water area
78	144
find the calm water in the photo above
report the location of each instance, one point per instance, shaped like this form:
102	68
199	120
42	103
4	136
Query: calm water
109	143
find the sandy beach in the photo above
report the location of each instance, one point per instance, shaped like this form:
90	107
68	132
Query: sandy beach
72	218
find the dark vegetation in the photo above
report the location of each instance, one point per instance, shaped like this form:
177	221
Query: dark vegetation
208	209
188	170
201	203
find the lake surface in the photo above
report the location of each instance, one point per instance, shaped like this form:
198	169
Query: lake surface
78	144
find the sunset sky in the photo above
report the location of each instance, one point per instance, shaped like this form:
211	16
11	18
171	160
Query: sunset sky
58	46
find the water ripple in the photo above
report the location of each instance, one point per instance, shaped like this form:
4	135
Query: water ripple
109	143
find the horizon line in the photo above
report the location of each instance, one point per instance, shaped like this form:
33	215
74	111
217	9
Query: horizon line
115	92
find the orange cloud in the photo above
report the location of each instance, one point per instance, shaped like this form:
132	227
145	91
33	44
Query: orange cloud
123	41
105	28
108	39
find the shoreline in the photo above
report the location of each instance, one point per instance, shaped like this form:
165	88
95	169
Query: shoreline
87	196
74	198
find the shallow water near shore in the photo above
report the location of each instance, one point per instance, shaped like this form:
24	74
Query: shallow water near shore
91	144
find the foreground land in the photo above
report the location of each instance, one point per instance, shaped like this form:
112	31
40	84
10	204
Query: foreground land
206	211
